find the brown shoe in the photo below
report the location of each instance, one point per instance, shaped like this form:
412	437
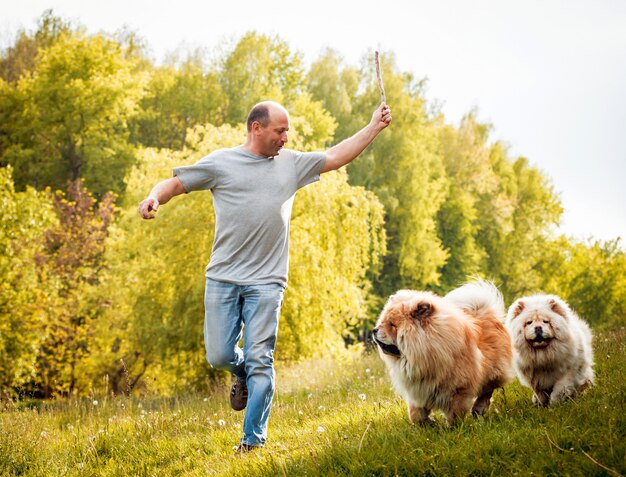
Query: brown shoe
239	395
245	448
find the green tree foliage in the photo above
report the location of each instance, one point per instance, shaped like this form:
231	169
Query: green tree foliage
22	57
67	120
260	67
337	87
73	255
517	223
26	289
590	276
337	237
405	170
177	99
466	159
312	127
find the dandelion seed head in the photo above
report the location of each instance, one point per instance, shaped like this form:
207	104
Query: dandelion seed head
95	402
320	429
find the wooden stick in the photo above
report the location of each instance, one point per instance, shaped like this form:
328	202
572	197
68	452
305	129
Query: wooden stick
380	78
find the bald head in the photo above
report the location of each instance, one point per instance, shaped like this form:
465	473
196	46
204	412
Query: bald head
263	113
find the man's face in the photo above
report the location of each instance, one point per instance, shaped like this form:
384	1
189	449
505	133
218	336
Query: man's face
273	137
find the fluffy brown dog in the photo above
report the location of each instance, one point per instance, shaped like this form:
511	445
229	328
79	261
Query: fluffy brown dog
448	353
552	345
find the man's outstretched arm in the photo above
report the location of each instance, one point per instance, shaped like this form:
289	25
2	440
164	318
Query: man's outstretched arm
160	194
344	152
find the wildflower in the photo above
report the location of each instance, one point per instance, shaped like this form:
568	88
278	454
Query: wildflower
221	422
320	429
300	412
95	402
206	399
321	408
237	426
43	434
367	370
362	397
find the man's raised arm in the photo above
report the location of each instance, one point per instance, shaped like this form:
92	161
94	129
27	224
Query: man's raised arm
344	152
160	194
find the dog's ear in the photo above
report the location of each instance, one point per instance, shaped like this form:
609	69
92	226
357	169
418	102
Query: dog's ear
518	308
422	310
557	307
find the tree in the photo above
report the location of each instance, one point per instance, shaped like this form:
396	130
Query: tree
21	58
73	255
337	240
177	99
404	169
67	120
590	276
516	223
260	67
26	289
337	87
466	158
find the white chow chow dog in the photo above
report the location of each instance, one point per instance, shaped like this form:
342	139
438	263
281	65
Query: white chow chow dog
552	351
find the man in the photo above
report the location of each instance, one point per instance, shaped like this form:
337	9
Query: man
253	187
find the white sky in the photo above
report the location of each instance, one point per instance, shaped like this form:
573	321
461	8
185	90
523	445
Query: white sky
550	75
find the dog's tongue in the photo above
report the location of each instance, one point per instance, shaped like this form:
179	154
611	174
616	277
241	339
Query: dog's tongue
387	348
539	342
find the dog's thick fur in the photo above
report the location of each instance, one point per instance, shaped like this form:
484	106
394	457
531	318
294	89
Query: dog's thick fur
552	348
448	353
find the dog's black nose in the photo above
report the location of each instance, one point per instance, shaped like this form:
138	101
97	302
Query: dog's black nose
375	330
538	330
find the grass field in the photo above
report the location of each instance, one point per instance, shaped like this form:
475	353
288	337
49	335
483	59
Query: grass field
329	418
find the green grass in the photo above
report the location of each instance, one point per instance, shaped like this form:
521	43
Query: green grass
329	418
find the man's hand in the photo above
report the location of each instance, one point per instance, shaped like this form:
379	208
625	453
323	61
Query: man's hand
160	194
344	152
148	208
381	117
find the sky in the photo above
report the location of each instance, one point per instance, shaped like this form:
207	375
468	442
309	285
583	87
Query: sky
549	75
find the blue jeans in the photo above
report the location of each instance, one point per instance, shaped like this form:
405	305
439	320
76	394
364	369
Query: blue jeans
227	309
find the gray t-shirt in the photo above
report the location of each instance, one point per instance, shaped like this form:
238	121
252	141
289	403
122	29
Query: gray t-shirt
252	198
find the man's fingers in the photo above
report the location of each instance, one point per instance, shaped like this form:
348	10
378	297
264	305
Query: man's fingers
147	208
